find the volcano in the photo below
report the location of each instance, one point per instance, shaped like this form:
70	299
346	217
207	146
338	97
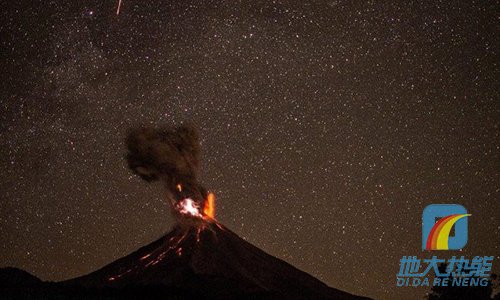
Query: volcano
198	259
211	262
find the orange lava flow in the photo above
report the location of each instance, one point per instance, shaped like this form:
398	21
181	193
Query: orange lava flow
209	207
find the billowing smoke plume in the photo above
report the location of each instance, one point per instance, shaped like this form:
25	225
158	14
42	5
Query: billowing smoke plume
169	155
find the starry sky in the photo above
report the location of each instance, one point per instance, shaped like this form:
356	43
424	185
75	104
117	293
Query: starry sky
326	128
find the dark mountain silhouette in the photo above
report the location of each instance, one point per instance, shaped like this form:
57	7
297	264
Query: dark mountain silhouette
197	262
13	277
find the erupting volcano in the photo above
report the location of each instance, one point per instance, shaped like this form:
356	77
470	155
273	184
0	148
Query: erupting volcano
208	261
199	255
199	258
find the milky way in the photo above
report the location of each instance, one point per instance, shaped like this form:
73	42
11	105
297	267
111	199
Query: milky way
326	128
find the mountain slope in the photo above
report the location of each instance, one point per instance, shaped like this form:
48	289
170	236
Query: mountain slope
211	260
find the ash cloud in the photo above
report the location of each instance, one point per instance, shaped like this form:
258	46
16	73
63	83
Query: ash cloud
169	155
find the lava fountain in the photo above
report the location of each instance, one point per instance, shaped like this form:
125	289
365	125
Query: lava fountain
188	207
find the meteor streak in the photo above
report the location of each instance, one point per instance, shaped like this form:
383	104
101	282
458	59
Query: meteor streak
118	7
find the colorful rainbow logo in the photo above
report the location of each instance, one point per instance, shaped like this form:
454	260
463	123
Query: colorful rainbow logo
440	232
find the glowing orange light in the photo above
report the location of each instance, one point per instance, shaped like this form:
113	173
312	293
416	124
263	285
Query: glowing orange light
179	187
209	207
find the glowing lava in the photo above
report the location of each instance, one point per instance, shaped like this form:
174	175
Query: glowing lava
209	207
189	207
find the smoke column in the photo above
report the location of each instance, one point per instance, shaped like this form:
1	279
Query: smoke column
169	155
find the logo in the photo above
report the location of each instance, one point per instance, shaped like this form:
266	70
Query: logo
444	227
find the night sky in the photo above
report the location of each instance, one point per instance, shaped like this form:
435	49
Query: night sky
326	128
